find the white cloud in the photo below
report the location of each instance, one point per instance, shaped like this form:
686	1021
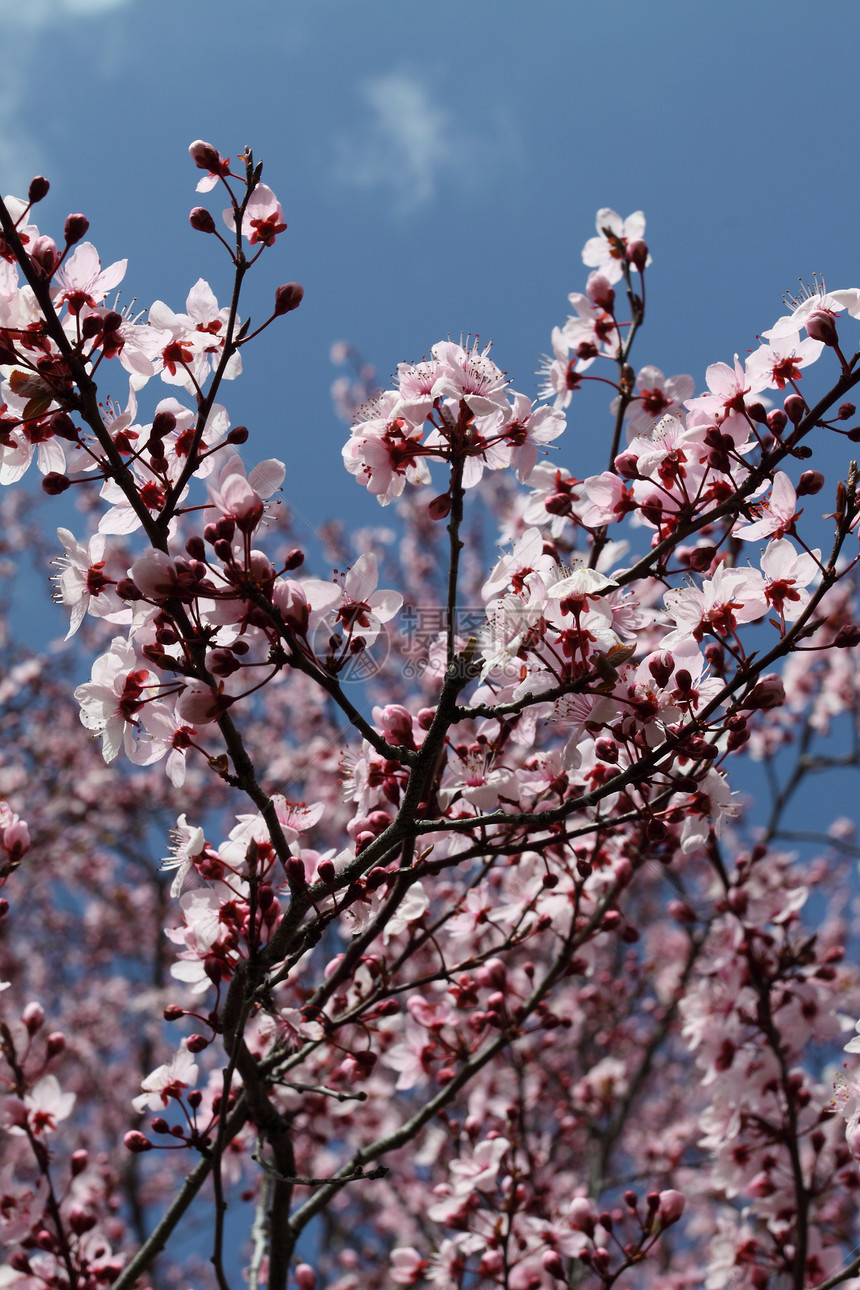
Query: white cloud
26	24
409	145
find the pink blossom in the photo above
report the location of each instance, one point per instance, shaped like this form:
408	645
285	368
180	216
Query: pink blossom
778	512
607	251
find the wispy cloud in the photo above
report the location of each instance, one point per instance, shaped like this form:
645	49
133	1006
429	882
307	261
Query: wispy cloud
26	24
407	145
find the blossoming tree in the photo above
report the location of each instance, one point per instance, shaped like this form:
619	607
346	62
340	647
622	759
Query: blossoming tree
471	966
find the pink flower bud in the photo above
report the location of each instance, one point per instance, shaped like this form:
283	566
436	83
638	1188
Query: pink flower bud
288	297
637	253
55	1043
74	229
201	220
205	156
583	1215
136	1142
33	1017
671	1206
810	483
769	693
79	1161
306	1278
795	407
54	484
600	291
820	325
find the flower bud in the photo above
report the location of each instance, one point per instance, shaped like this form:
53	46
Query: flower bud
201	220
846	411
776	421
702	557
582	1215
196	1043
204	156
820	325
287	298
127	590
136	1142
239	434
637	253
768	693
600	291
810	482
627	465
440	507
671	1206
306	1278
54	484
33	1017
55	1044
38	189
79	1161
848	636
795	407
74	229
757	412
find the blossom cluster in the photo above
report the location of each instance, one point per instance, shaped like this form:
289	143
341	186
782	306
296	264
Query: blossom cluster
481	966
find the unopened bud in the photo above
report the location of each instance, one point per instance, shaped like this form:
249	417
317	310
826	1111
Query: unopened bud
136	1142
776	421
702	557
127	590
33	1017
671	1206
239	434
810	482
757	412
38	189
848	636
795	407
54	484
637	253
768	693
55	1044
820	325
196	1043
74	229
204	156
201	219
440	507
288	297
600	291
846	411
306	1278
79	1161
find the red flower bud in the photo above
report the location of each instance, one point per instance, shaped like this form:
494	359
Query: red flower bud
54	484
820	325
810	482
637	253
205	157
287	298
201	219
136	1142
75	228
795	407
38	189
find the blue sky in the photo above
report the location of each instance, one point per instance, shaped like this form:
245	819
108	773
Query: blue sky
440	167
